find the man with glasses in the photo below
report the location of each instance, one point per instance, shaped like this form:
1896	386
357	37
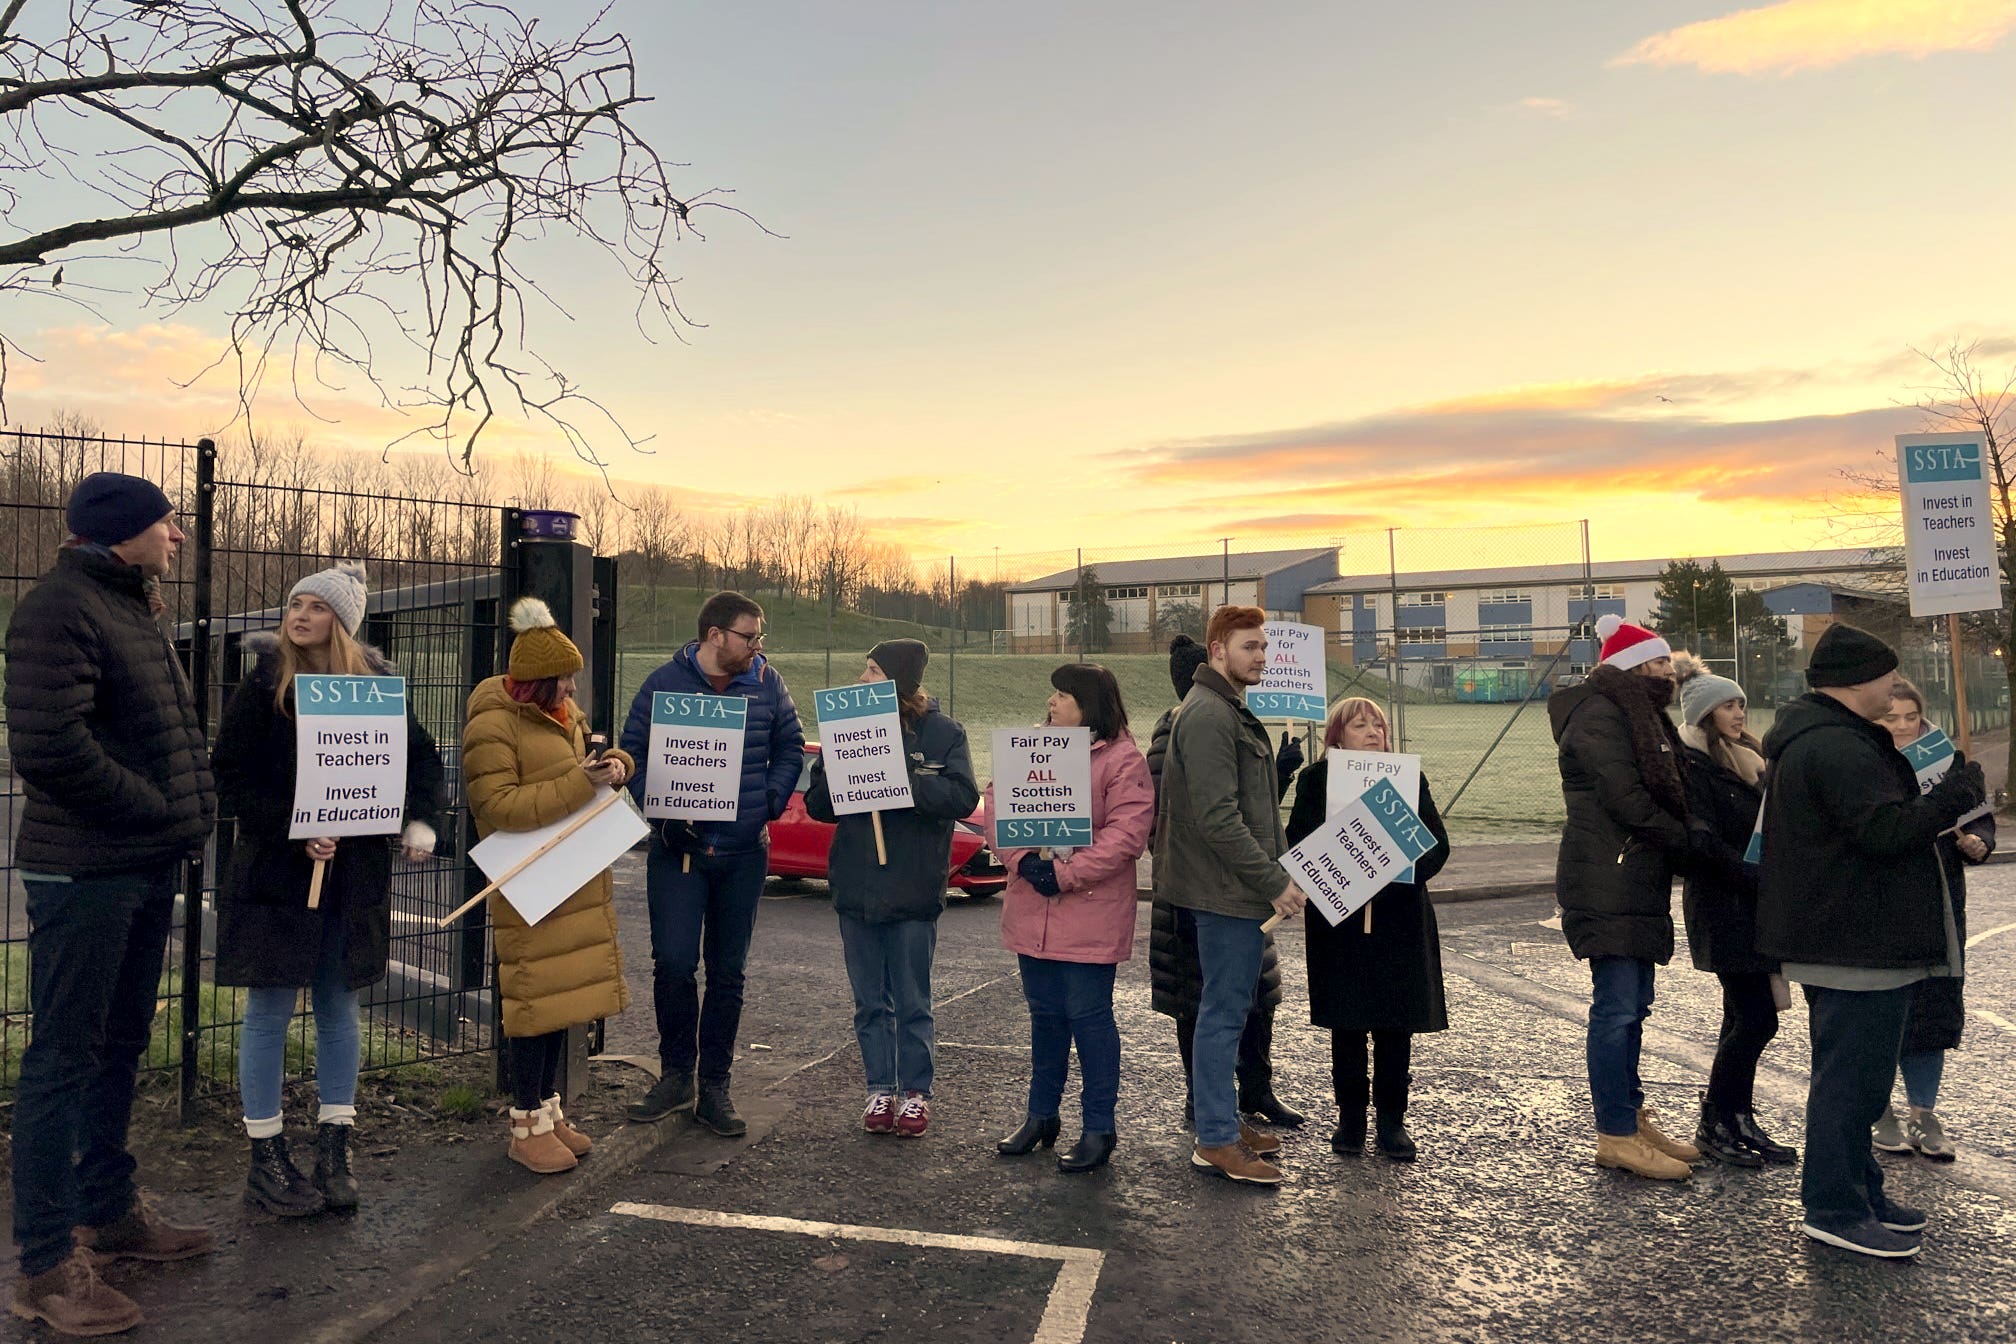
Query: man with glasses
703	879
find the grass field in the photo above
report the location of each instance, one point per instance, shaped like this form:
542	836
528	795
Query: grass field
1517	796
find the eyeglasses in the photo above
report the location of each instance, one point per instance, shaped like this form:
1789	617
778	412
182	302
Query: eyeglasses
755	641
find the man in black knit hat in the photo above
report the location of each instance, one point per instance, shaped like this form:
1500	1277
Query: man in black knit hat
1854	904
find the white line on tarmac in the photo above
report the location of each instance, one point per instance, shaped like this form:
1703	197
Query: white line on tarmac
1984	936
1064	1316
2001	1022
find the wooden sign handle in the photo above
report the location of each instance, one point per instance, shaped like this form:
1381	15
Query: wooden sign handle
685	863
1272	922
1368	918
881	845
315	884
526	862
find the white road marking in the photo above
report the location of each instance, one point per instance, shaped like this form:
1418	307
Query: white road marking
1064	1316
2001	1022
1986	934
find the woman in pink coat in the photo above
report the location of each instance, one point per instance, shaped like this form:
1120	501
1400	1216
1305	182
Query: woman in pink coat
1070	922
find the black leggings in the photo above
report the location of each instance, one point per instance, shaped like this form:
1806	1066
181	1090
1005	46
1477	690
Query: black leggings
1749	1021
534	1063
1391	1054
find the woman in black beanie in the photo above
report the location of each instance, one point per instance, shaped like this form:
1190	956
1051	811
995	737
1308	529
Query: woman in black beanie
889	912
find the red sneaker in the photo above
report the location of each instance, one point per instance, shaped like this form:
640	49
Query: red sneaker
915	1116
880	1117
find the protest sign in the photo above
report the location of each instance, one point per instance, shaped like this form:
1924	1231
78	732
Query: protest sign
1358	851
861	743
1950	555
1353	772
349	756
693	763
1931	756
538	870
1295	686
1042	788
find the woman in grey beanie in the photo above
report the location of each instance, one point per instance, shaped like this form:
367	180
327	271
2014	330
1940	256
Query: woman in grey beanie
1725	783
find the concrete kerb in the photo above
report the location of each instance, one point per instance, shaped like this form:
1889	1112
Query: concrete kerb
616	1156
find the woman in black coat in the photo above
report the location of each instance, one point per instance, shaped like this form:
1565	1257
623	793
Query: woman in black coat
1379	973
1725	772
268	940
1937	1012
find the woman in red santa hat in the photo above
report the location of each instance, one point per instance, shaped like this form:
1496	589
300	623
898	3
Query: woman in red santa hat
1623	779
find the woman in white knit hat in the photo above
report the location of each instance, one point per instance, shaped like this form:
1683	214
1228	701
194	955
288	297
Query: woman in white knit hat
1725	787
268	940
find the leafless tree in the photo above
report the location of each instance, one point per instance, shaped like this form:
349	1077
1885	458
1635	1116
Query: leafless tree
345	180
602	517
840	557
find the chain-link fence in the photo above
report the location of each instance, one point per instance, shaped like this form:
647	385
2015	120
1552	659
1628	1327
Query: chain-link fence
1460	633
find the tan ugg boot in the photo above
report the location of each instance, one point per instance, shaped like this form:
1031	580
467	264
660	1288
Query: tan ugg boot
1630	1152
1649	1131
577	1143
535	1146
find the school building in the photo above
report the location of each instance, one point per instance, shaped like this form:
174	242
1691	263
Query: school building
1140	594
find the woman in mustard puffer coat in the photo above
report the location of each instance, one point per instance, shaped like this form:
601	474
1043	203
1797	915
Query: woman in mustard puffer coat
525	765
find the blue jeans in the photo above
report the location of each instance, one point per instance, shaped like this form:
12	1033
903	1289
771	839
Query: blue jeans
1617	1012
1923	1070
1228	951
889	966
1072	1000
708	914
94	969
262	1040
1856	1037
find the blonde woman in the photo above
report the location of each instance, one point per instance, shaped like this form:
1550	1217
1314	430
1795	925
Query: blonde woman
1383	982
268	940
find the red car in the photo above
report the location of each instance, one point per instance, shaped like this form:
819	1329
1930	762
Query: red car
798	845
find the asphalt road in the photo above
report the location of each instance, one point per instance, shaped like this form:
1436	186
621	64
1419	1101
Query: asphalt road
1503	1231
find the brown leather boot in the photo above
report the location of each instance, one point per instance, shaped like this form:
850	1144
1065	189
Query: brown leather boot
577	1143
142	1234
534	1145
1237	1161
1630	1152
1649	1130
1261	1141
72	1300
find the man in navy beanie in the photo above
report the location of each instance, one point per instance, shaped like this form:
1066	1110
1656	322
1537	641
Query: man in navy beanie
1852	902
103	730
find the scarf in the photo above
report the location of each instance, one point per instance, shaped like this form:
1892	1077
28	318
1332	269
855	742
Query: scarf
1655	742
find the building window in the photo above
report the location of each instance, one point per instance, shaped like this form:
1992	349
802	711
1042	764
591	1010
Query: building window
1368	602
1122	594
1424	634
1424	599
1179	590
1505	634
1504	597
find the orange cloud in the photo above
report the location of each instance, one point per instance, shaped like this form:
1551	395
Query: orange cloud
1796	35
889	485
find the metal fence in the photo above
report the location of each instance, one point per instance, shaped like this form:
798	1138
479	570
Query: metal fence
440	577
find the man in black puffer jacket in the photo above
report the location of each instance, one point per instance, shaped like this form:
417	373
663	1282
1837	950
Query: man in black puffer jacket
1623	782
104	736
1853	901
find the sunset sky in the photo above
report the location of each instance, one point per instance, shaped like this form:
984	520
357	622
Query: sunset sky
1149	274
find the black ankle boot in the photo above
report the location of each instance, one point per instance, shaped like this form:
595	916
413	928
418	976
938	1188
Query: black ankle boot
1717	1137
716	1110
1392	1139
1091	1151
276	1185
1033	1132
332	1166
1262	1102
1760	1143
1349	1136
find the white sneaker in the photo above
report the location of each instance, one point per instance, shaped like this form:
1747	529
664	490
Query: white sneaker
1928	1136
1888	1135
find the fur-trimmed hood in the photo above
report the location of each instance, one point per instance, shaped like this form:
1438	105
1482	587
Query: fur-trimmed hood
1655	742
264	646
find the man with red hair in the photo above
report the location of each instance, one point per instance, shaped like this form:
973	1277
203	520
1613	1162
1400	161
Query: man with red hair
1218	840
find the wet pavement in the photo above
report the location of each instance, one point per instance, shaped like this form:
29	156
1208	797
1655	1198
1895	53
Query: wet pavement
813	1231
1503	1231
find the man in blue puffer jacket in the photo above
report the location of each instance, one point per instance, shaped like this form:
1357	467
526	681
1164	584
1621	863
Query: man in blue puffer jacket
703	879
